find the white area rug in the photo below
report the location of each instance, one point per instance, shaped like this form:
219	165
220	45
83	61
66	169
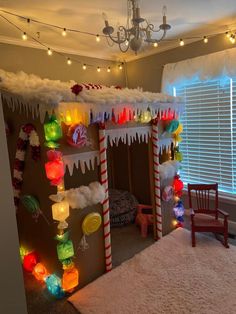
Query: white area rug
168	277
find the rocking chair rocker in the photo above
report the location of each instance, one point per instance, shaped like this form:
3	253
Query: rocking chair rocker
204	219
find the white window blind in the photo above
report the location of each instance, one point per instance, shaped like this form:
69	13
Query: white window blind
209	137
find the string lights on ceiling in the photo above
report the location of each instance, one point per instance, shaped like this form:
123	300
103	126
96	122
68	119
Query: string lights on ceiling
25	36
230	34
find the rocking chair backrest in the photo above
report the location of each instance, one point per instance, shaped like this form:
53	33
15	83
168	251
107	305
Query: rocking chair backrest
202	195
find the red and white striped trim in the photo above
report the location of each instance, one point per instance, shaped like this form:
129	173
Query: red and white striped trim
157	188
105	204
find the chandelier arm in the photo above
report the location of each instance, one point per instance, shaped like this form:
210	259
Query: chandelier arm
152	28
123	50
110	43
162	37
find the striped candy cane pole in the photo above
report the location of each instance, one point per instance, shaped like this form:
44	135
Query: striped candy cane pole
157	188
106	210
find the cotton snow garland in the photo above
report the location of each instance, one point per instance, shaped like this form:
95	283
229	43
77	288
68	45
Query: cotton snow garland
81	197
27	135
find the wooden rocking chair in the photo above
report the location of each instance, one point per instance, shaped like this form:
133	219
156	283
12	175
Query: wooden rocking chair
204	219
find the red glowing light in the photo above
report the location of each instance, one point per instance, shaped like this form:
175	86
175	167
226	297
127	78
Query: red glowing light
29	261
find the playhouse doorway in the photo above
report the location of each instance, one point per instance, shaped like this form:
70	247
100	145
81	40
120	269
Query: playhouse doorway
129	185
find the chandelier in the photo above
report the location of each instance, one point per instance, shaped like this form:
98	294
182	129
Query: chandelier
137	30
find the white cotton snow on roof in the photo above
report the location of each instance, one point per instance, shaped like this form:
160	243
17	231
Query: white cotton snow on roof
51	92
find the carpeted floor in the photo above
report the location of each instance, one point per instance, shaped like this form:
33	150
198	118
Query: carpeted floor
168	277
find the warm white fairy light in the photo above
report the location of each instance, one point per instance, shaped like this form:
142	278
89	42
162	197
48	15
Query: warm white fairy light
155	45
232	38
98	38
64	33
98	69
108	69
120	66
181	42
24	36
84	66
126	42
205	39
49	52
227	34
69	62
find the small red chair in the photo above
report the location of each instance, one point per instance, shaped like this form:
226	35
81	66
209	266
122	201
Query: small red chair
205	219
144	218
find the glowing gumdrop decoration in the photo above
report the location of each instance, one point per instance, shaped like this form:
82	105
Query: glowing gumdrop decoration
53	283
29	261
70	279
61	211
146	116
178	185
40	272
55	167
172	126
53	132
65	250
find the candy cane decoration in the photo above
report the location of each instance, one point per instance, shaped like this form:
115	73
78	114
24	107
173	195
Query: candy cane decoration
27	134
105	204
157	188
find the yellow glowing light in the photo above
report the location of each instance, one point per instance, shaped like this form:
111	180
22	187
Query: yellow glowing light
61	187
205	39
155	45
84	66
232	38
174	223
64	32
24	36
181	42
98	69
49	52
126	42
120	67
227	34
69	62
108	69
98	38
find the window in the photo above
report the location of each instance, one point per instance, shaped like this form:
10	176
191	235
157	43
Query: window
209	137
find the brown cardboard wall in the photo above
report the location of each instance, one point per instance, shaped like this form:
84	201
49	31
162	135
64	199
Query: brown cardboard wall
40	236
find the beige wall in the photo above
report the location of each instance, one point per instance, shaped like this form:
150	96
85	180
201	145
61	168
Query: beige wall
147	72
12	291
36	61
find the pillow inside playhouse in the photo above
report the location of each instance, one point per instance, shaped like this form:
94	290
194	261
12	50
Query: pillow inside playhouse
123	207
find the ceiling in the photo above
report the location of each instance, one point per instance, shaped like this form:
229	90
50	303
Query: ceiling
187	18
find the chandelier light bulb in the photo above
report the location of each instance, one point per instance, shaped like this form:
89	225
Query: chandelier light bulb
120	67
49	52
205	39
24	36
98	69
155	45
164	10
126	42
84	66
69	62
64	32
181	42
108	69
227	34
98	38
